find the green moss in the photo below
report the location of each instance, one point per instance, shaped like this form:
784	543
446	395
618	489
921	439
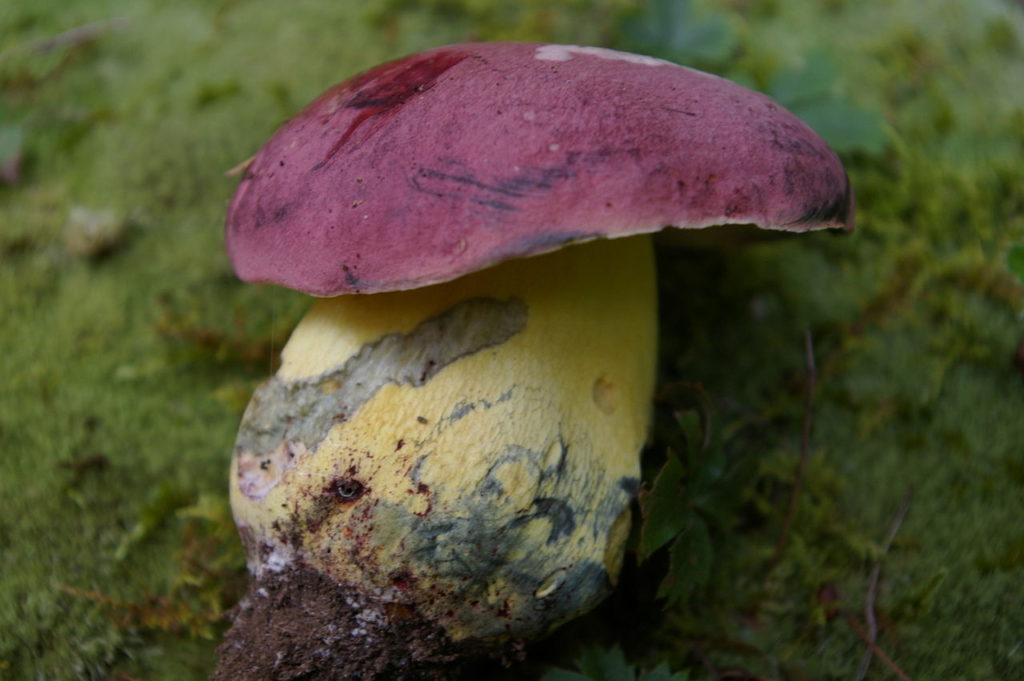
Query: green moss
125	374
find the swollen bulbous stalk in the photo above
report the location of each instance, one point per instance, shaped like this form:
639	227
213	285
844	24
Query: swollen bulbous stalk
440	471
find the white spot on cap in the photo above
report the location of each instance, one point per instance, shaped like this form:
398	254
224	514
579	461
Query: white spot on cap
529	115
566	52
554	147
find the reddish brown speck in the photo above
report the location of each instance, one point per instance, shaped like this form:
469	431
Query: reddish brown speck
402	579
428	369
424	489
399	611
828	596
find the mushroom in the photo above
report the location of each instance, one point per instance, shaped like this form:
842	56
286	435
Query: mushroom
445	467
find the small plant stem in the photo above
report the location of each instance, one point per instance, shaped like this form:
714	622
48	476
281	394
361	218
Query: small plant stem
872	593
888	661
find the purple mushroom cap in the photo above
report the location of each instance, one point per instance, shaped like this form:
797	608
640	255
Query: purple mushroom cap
451	160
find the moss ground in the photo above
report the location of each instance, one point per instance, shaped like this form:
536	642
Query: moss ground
126	357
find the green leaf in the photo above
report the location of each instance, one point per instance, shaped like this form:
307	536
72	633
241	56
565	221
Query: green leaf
556	674
812	92
813	82
664	507
662	673
674	30
596	664
1015	261
717	487
599	664
689	561
843	125
691	425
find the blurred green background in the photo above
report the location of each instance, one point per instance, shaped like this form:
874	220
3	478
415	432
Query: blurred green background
128	349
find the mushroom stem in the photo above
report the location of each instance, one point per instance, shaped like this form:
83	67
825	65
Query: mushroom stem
464	453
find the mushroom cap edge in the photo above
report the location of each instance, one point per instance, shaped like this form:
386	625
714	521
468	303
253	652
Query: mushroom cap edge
432	166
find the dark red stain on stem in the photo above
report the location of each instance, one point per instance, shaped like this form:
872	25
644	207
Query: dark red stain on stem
381	92
423	489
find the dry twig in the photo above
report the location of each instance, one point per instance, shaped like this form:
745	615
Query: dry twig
872	593
888	661
240	167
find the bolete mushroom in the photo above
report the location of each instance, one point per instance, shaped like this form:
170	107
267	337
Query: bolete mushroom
446	466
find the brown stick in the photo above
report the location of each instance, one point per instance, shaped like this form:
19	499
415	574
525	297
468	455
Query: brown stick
872	593
888	661
805	450
240	168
